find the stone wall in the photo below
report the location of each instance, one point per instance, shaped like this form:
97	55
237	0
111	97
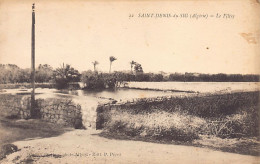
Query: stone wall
57	110
60	111
16	106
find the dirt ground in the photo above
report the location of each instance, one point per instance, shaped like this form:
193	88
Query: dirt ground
87	146
12	130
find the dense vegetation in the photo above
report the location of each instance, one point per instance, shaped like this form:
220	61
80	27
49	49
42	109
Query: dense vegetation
62	76
10	73
233	115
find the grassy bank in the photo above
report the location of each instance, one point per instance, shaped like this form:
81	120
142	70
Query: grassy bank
201	105
184	127
186	119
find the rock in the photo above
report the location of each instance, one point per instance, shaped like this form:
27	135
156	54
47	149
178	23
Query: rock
113	102
21	120
61	122
7	149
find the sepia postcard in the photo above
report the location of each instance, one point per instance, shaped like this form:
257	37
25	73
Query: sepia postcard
149	81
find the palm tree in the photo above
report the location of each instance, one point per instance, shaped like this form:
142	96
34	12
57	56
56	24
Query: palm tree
111	58
95	63
132	63
138	68
66	72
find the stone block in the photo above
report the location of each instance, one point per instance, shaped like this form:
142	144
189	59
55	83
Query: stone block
61	121
21	112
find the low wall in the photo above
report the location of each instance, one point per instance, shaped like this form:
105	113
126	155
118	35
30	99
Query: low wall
15	106
60	111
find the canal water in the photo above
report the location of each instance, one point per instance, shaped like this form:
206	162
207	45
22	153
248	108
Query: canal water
117	94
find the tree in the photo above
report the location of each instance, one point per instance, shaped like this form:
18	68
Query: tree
95	63
132	63
44	73
92	80
138	68
9	73
111	58
24	75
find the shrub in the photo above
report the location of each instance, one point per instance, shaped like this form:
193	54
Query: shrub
243	124
93	80
61	83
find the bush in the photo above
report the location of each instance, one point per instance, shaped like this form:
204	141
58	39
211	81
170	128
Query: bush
94	81
61	83
245	123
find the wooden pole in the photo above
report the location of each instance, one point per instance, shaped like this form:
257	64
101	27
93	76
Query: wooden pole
33	112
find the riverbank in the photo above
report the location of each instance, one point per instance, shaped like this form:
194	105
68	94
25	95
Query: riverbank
230	121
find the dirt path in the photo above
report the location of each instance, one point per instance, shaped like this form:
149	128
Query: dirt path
86	146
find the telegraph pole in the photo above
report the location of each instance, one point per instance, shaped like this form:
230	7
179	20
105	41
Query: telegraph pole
33	110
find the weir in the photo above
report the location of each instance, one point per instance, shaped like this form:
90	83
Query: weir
88	111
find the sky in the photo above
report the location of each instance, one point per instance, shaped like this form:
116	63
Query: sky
80	32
